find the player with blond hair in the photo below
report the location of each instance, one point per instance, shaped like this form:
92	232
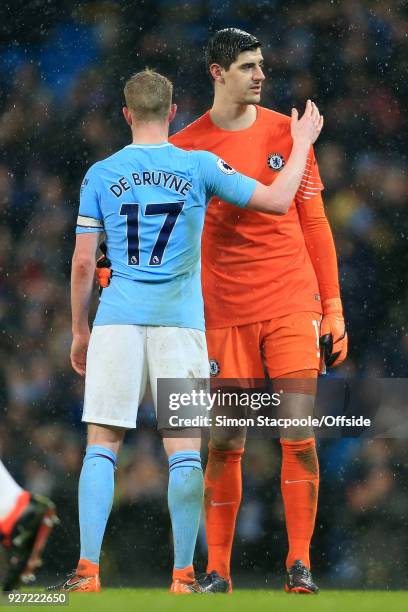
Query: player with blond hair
150	200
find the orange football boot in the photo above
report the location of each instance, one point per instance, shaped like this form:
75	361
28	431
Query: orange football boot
85	579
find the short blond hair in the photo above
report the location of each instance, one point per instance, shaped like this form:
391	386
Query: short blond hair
148	95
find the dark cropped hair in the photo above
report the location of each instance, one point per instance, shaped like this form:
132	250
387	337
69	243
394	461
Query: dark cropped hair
225	46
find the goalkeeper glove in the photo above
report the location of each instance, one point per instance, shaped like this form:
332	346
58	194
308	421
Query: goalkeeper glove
103	268
333	335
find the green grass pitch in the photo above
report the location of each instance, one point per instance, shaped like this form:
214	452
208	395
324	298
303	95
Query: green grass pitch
150	600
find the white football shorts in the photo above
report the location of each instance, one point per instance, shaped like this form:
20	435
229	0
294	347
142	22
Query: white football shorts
120	358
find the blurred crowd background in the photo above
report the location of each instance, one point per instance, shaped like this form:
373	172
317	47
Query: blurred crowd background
62	69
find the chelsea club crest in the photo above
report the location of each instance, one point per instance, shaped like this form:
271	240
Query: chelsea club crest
214	367
276	161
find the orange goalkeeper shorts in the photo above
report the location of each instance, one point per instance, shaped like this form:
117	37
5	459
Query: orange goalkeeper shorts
276	348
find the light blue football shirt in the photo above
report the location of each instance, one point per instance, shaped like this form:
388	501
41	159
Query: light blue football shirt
151	202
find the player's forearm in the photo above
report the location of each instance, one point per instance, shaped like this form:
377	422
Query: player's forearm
82	276
320	245
287	183
322	251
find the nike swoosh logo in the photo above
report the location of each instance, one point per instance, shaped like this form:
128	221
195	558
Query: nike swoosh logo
214	504
68	585
292	481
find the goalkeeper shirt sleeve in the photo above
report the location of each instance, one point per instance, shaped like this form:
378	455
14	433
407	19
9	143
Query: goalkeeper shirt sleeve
320	245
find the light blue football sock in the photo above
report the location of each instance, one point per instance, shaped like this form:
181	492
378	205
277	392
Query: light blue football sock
185	499
95	497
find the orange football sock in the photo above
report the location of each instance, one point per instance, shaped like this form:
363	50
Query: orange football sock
7	524
223	491
300	487
86	568
186	574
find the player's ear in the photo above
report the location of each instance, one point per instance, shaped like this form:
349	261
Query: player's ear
172	112
127	115
216	72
